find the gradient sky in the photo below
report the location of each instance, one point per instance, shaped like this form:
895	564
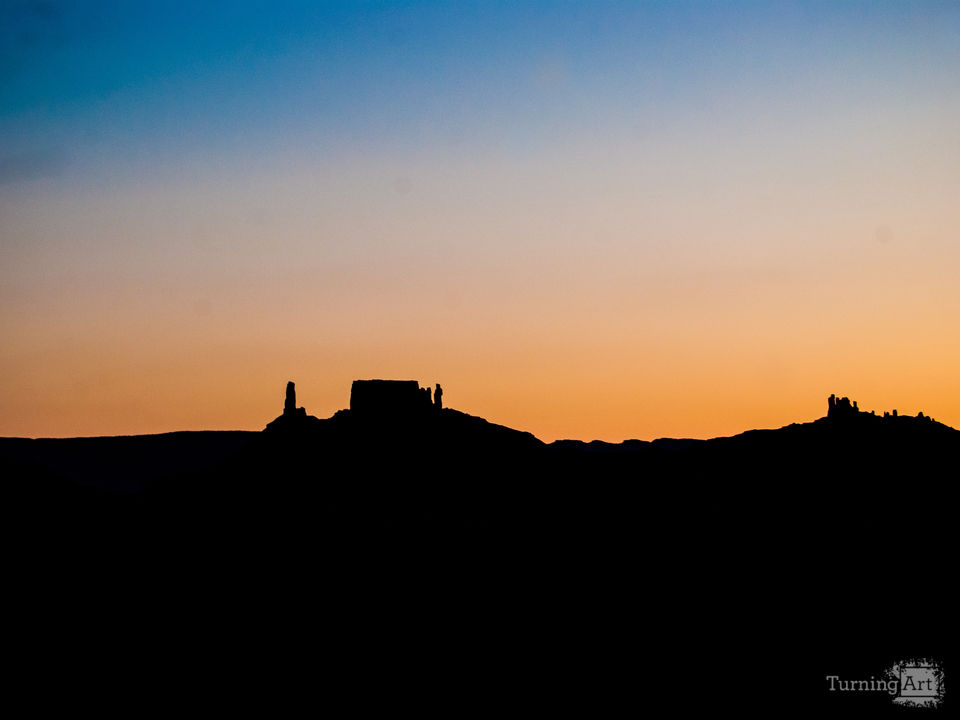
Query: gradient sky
590	220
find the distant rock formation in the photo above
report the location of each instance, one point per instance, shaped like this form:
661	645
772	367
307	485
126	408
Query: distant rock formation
369	400
843	408
293	418
290	403
390	398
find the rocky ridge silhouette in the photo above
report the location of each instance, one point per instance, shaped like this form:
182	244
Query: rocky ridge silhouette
584	567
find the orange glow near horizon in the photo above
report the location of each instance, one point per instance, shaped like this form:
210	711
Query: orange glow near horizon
581	323
673	397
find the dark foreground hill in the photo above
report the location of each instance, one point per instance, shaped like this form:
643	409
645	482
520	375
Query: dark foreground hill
425	556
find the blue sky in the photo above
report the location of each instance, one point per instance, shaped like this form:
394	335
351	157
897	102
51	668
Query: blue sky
86	80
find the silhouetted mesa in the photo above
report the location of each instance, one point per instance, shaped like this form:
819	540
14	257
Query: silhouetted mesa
389	397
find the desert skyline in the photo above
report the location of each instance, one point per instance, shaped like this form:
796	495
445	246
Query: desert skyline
584	221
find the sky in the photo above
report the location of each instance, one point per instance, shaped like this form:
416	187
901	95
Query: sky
584	219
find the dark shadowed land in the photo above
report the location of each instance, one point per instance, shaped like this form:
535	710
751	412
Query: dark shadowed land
417	554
